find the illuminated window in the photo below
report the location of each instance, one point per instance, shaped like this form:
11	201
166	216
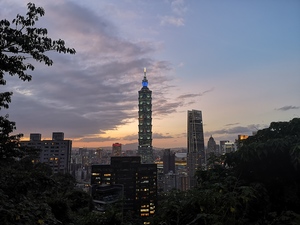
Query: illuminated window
95	174
107	175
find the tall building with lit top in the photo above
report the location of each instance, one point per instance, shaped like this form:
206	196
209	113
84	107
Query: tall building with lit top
116	149
195	142
145	150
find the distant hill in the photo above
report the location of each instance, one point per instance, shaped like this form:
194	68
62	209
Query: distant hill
130	146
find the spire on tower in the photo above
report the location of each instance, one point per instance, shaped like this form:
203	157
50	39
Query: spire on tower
145	81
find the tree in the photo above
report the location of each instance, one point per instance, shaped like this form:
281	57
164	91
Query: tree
25	188
272	158
9	148
258	184
21	41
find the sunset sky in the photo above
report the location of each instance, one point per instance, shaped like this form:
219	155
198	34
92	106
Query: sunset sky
236	61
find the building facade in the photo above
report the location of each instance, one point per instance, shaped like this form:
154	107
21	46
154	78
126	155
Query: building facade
145	149
222	146
239	141
195	145
211	147
168	161
139	182
229	147
56	152
116	149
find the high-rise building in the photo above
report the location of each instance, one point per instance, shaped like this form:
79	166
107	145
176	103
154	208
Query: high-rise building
116	149
195	145
169	161
56	152
139	182
239	141
222	146
145	122
211	147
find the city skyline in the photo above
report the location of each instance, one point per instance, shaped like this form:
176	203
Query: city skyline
237	62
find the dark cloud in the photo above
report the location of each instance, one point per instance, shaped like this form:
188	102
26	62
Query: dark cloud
94	90
163	106
231	124
187	96
97	139
232	133
133	137
288	107
161	136
236	130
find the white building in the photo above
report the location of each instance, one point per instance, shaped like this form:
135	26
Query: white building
229	147
56	152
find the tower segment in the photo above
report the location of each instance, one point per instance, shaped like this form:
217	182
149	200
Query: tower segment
145	122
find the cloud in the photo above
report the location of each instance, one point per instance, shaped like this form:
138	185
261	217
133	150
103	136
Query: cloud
288	107
232	133
162	107
171	20
187	96
161	136
94	90
178	9
97	139
236	130
181	64
231	124
133	137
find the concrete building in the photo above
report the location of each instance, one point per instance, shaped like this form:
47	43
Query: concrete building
195	145
145	123
56	152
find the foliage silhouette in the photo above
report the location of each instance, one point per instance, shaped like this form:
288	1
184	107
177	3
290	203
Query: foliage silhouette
258	184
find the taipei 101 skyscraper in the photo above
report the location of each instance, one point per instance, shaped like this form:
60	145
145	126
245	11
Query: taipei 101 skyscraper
145	122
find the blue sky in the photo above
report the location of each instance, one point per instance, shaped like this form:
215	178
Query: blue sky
236	61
